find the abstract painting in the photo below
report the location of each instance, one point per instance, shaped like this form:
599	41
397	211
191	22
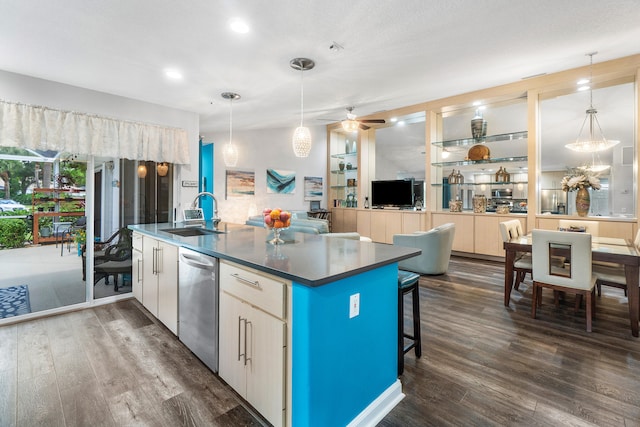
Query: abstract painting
313	188
281	181
241	183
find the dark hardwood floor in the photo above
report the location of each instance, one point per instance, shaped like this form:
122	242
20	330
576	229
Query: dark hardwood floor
482	365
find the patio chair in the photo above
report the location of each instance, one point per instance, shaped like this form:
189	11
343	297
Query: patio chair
107	250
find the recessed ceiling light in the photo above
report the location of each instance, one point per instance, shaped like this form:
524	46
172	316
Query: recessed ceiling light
581	88
582	82
173	74
476	103
394	119
239	26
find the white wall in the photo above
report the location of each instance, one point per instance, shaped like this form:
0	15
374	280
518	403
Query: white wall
257	151
34	91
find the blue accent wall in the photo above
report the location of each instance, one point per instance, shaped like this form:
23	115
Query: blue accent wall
206	178
340	365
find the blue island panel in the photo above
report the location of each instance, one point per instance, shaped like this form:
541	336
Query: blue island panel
340	365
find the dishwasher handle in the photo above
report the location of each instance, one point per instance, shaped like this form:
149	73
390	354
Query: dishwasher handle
197	261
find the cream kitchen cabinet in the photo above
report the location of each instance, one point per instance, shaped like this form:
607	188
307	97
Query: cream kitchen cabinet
160	281
253	338
136	266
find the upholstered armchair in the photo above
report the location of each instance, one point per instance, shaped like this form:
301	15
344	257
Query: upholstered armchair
436	249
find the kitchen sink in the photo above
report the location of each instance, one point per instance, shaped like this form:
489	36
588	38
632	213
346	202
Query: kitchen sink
191	231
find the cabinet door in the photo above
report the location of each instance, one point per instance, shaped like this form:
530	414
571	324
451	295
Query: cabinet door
266	369
463	238
363	220
137	274
232	342
168	285
149	268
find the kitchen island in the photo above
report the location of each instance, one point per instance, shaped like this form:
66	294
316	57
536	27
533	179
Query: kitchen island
340	363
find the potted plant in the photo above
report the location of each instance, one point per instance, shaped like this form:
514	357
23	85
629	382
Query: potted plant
80	237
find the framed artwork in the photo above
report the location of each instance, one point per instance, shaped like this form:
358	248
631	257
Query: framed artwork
240	183
313	188
281	181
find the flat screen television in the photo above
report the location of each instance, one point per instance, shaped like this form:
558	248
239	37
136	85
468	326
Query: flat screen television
395	193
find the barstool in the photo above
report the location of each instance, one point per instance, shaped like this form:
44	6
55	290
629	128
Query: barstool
408	283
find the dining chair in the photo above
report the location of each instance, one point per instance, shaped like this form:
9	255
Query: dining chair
522	264
611	274
575	277
591	227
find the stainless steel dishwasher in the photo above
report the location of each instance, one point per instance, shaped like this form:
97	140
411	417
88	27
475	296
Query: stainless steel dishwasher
198	305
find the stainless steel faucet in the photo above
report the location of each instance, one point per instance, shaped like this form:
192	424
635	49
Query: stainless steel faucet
215	218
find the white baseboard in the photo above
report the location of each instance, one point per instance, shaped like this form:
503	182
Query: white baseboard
380	407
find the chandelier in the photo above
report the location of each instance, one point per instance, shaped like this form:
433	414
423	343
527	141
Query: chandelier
230	151
301	141
595	140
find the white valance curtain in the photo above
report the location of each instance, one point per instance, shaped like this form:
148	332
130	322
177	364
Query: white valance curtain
43	128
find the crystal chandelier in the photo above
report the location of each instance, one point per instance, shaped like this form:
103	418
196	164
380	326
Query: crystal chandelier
595	140
301	141
230	151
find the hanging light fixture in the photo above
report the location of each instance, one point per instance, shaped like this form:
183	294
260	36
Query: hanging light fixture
162	168
595	140
142	170
301	136
230	151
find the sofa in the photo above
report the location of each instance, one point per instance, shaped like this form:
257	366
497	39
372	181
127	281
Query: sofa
436	249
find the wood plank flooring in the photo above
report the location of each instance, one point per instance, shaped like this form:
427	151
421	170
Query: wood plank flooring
482	365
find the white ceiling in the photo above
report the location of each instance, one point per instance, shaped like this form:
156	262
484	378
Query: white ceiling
395	53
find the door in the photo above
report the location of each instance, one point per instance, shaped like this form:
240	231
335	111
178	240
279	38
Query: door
149	273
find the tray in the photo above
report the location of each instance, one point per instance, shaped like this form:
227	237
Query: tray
479	152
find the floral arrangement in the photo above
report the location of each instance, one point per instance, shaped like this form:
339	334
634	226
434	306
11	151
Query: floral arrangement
580	178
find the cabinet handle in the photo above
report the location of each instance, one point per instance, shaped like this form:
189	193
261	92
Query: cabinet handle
153	261
252	283
246	322
138	272
239	321
159	266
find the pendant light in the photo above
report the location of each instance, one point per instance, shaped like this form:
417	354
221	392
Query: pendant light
142	170
230	151
595	140
301	136
163	169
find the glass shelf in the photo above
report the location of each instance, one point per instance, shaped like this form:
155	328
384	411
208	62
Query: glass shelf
475	184
487	139
342	172
482	162
343	155
343	186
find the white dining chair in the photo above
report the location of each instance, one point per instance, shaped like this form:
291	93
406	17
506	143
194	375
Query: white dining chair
522	263
575	277
611	274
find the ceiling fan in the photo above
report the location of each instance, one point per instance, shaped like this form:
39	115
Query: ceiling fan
350	124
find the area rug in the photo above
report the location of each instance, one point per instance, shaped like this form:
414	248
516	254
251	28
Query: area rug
14	301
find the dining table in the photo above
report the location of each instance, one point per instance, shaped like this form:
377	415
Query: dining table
609	249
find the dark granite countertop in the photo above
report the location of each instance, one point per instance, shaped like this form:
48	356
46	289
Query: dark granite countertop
309	259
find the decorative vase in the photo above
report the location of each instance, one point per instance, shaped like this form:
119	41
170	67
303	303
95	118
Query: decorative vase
583	201
478	126
341	165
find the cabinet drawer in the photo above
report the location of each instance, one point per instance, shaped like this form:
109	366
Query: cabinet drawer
258	289
137	241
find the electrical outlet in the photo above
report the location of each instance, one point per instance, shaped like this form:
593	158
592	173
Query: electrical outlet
354	305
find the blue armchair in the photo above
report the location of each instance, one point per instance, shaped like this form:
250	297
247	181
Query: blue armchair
436	249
